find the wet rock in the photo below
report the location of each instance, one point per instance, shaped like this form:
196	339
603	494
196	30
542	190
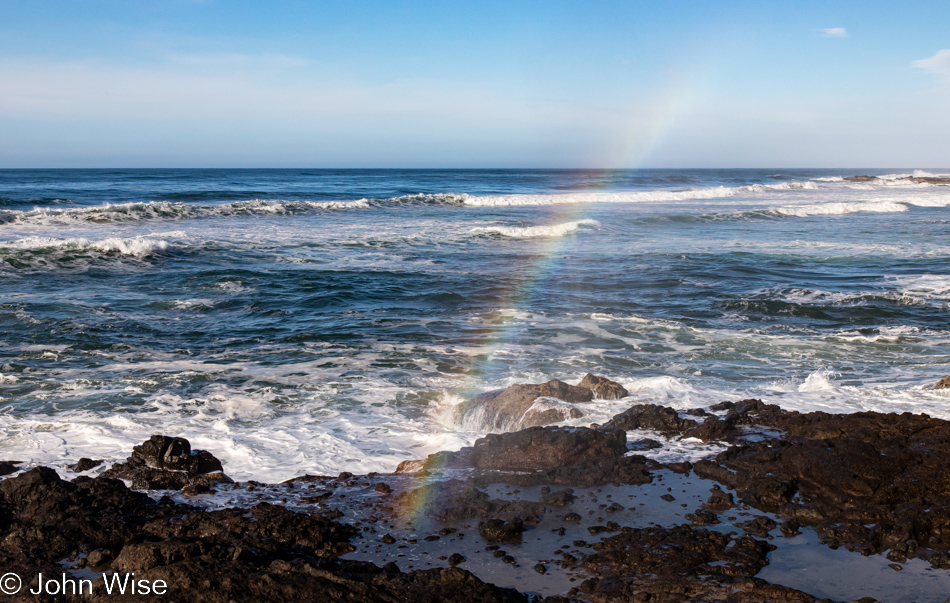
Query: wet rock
453	500
561	498
790	527
382	488
860	178
577	457
174	454
644	444
499	530
85	464
719	501
455	559
8	467
547	448
264	553
197	489
668	497
388	539
506	409
678	564
572	517
702	517
167	463
868	481
943	383
683	467
411	466
603	388
651	416
99	557
541	568
759	526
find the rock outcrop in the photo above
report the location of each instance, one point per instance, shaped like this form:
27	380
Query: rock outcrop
677	564
570	456
535	404
167	463
603	388
262	553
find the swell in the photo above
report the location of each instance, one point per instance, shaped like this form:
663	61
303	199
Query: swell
32	254
180	210
168	210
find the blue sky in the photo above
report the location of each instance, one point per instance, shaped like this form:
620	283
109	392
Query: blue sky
474	84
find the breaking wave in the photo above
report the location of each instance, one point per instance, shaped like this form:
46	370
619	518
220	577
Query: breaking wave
134	246
168	210
531	232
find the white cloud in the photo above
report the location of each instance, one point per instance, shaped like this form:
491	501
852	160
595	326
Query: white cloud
835	32
938	64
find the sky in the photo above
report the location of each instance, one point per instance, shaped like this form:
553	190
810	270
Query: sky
598	84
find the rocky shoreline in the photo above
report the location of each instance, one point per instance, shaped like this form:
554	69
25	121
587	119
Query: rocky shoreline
545	513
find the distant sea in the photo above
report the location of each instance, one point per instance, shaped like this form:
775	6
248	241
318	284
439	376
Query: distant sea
315	321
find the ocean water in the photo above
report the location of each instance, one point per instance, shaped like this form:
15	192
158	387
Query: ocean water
315	321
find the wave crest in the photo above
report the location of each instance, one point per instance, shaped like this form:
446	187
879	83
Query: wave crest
531	232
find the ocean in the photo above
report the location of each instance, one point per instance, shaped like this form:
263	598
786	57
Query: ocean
318	321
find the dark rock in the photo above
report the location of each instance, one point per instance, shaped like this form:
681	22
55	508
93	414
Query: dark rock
453	500
85	464
498	530
455	559
8	467
650	416
541	568
265	553
759	526
580	456
868	481
547	448
174	454
574	517
383	488
603	388
860	178
512	408
167	463
719	501
943	383
683	467
197	489
668	497
702	517
790	527
388	539
644	444
678	564
561	498
99	557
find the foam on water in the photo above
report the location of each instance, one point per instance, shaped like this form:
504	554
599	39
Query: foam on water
531	232
167	210
839	209
136	246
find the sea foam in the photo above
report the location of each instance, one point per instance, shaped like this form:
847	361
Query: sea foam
530	232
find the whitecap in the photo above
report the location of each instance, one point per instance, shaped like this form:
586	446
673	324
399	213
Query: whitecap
530	232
